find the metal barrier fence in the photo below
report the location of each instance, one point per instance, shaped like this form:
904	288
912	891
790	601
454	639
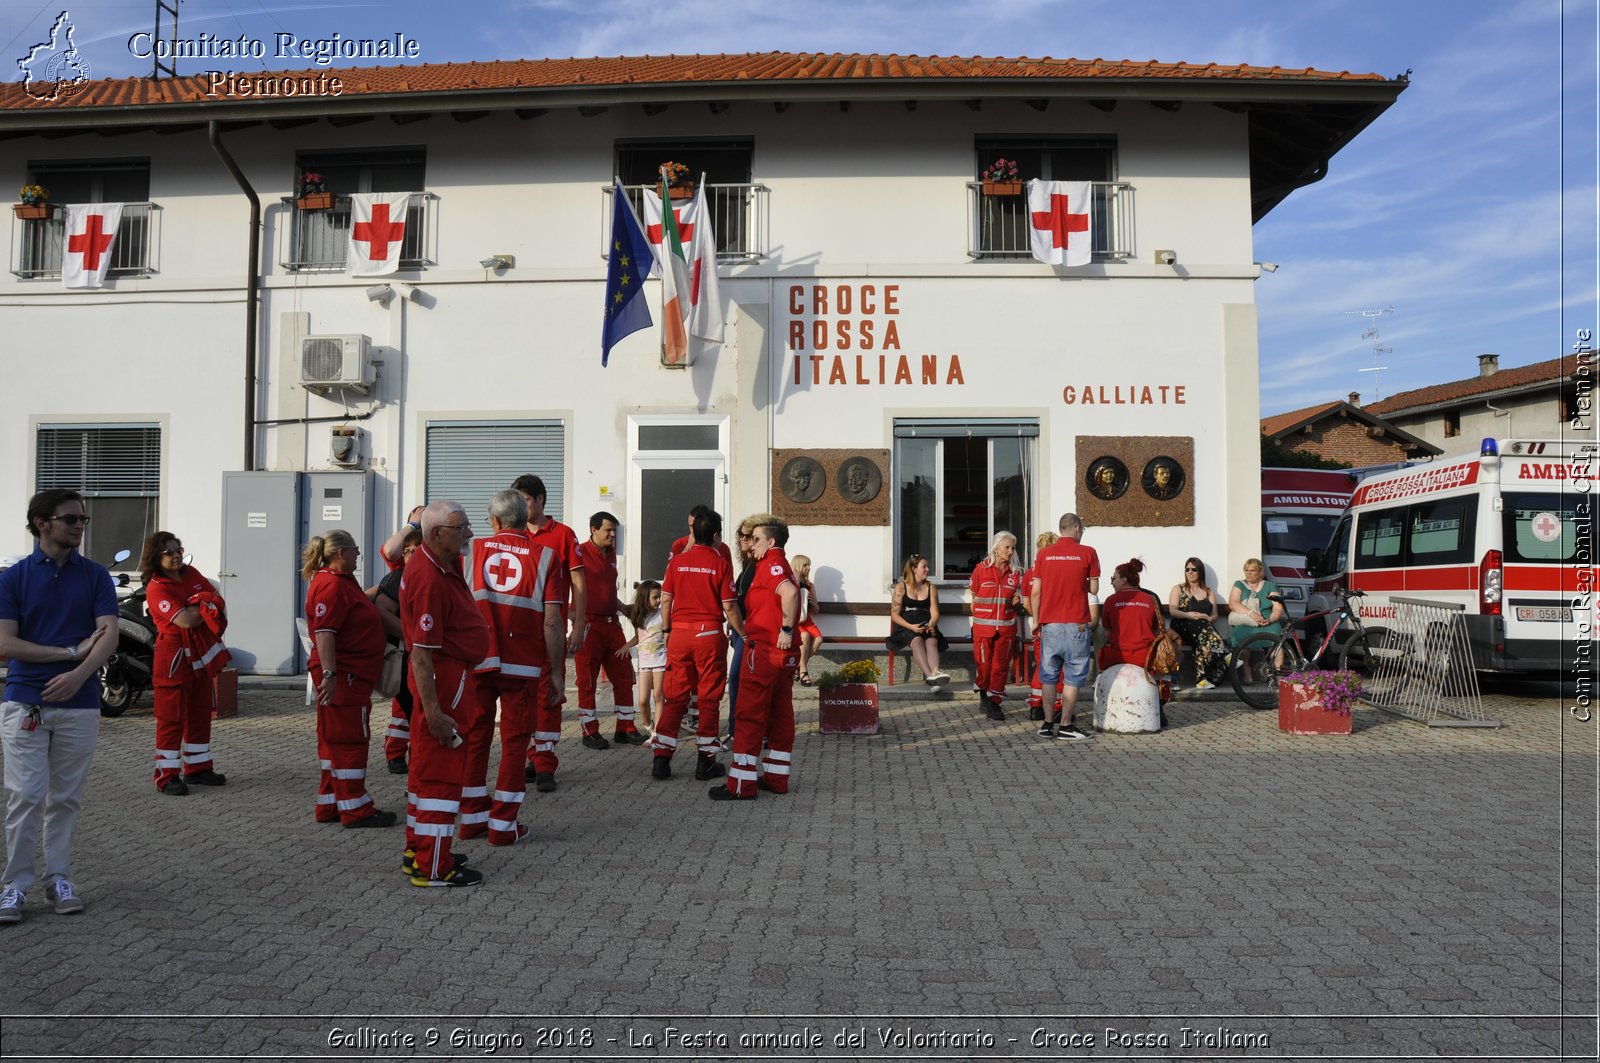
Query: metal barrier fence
1423	668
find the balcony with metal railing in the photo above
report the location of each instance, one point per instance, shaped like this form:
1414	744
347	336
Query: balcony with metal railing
740	218
37	243
999	225
319	240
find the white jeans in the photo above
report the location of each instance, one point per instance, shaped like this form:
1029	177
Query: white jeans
46	768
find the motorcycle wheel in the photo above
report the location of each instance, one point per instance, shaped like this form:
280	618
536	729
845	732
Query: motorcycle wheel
116	693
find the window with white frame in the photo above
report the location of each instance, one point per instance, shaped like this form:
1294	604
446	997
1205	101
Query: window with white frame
469	461
1001	224
38	242
319	238
117	468
731	196
958	482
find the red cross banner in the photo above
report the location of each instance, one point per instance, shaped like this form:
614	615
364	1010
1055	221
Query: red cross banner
1060	230
700	244
90	232
377	227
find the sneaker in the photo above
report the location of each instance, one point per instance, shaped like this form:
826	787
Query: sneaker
1048	728
661	768
706	767
594	741
1068	733
628	738
996	712
397	766
1036	712
206	778
11	905
65	897
379	818
408	862
456	877
938	678
544	781
1203	684
175	787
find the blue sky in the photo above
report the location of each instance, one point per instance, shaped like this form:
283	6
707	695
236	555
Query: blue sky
1470	207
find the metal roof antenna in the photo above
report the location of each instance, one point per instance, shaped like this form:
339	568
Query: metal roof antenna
1371	333
156	65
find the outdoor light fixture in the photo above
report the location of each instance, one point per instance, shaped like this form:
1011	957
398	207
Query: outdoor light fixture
498	262
411	292
380	294
1270	267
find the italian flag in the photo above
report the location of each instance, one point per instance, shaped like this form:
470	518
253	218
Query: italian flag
675	286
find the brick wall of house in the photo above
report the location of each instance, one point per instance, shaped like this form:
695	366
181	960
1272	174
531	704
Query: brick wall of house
1339	439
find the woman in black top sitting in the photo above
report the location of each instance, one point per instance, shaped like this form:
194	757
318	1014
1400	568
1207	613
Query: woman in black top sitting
1193	606
914	621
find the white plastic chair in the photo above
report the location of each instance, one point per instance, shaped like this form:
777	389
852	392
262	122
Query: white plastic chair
305	644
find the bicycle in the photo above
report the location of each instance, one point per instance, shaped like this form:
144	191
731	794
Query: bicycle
1268	657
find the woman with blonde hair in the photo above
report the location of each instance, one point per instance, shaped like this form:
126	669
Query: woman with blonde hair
346	657
914	621
995	587
808	636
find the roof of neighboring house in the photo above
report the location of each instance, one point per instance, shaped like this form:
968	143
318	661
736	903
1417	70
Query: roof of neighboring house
1279	426
1298	119
1476	388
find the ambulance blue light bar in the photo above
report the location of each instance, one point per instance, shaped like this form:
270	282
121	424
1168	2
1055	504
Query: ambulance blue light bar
1489	449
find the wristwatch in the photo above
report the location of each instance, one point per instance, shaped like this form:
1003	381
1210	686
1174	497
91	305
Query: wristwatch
788	629
326	672
72	653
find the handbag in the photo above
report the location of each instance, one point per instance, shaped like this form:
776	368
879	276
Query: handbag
1165	655
392	676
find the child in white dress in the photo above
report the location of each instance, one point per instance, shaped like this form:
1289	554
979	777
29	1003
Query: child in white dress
645	616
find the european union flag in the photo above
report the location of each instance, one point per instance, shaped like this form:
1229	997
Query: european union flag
626	268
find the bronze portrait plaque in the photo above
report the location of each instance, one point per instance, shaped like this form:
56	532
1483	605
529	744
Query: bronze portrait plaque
1163	478
1107	478
802	480
859	480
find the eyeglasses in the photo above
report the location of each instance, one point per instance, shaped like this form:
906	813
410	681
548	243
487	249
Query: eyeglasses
72	518
174	551
458	527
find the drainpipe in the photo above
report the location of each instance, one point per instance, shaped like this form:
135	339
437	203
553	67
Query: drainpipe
252	298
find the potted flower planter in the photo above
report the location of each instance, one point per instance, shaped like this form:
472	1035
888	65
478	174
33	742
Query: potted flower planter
32	211
1002	188
1301	712
315	201
684	190
848	709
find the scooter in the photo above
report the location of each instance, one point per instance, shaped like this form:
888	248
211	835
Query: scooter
127	673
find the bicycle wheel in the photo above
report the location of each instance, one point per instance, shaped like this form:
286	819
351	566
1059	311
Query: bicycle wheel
1254	673
1375	655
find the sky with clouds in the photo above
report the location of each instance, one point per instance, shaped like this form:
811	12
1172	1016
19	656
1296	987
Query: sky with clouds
1470	207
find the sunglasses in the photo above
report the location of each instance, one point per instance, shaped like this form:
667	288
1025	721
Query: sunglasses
1187	568
173	551
72	518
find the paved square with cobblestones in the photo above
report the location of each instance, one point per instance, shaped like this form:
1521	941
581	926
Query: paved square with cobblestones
1402	891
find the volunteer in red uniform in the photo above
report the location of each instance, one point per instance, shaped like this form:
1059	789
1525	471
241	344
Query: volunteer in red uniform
1066	574
683	542
598	555
1131	617
184	695
765	712
994	585
447	639
696	597
346	657
513	582
545	530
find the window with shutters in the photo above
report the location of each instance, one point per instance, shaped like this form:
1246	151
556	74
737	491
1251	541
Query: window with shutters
959	482
37	243
468	461
117	467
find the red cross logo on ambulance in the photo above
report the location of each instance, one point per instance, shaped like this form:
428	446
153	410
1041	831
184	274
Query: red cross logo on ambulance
1546	527
502	571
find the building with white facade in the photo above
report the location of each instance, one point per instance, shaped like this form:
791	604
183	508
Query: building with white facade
881	310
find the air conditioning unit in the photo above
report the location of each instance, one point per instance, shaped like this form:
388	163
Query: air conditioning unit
337	362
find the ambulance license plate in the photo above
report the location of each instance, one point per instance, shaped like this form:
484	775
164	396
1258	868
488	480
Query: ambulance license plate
1554	613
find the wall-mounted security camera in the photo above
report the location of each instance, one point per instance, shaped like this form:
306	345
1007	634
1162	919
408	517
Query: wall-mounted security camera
1166	258
380	293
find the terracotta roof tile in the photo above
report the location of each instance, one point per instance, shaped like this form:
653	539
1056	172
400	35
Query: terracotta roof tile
1282	422
668	70
1506	379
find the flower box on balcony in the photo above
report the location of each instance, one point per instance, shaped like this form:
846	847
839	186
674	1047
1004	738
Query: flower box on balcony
681	191
315	201
32	211
1002	188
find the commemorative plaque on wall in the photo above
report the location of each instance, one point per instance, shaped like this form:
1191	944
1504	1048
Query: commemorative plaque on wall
843	487
1136	481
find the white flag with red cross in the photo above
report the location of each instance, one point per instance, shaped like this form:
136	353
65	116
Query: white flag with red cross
700	245
90	232
1060	222
377	230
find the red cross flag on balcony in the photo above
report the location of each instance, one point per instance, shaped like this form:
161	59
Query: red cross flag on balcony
90	231
1059	222
377	228
700	244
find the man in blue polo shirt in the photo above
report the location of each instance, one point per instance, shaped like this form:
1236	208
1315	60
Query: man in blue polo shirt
58	625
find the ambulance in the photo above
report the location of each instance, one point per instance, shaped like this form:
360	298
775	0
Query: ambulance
1507	533
1299	509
